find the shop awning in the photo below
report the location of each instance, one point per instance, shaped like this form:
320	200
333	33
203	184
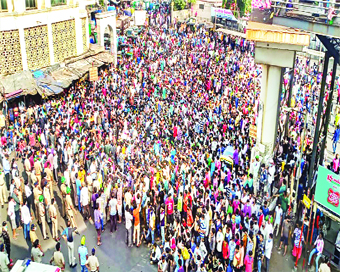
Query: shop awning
81	67
231	32
64	76
94	62
105	57
18	84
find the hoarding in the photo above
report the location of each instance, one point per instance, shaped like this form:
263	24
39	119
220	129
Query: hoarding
327	191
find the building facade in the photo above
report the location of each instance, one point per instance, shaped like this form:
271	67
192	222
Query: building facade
39	33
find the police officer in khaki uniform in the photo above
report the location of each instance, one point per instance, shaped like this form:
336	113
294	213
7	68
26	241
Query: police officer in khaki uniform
42	216
58	257
37	192
38	169
3	189
54	217
33	177
49	177
63	193
70	210
47	197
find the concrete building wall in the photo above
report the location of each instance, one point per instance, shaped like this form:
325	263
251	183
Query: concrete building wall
36	38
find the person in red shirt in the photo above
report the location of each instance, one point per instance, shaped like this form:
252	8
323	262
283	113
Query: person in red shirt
169	204
136	227
186	203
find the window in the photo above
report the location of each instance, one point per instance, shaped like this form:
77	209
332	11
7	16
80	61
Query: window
31	4
201	6
3	5
58	2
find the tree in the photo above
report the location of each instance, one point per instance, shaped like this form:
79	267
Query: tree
180	4
191	2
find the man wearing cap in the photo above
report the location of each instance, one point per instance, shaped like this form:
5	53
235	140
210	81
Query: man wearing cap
42	216
63	193
92	262
58	258
33	234
3	190
83	254
70	210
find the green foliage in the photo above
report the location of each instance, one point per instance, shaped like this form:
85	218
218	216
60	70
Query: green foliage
179	4
192	2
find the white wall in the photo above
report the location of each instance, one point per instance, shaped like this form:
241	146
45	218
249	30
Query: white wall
31	18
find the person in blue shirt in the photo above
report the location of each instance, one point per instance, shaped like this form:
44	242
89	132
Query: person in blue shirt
7	170
83	254
78	188
336	137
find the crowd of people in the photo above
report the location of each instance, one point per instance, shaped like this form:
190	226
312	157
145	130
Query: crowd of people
160	145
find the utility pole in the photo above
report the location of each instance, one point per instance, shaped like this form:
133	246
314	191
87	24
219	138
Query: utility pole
317	127
328	114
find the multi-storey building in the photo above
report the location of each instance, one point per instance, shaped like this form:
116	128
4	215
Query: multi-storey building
39	33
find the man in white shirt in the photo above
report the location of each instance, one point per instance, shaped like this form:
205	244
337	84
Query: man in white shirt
128	225
268	250
26	219
84	202
278	217
219	242
113	212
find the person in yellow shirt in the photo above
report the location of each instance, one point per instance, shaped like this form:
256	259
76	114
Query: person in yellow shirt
81	175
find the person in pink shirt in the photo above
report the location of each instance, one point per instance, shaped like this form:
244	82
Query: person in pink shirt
336	162
169	205
248	262
318	248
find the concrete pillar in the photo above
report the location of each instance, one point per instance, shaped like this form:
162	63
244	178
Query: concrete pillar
23	48
272	57
270	90
50	42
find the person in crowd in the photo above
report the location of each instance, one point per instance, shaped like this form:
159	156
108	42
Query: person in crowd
58	257
92	263
36	252
5	264
67	234
317	250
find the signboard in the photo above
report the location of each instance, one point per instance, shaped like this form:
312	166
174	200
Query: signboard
93	73
253	131
306	201
223	13
327	191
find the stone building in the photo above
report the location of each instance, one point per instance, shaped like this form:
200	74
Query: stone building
39	33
